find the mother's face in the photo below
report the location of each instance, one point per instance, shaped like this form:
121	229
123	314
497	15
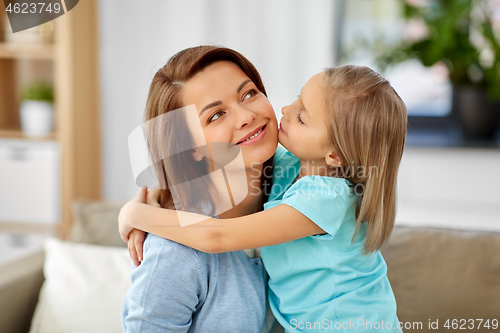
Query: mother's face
232	109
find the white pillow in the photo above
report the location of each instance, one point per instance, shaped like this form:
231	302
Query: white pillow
84	288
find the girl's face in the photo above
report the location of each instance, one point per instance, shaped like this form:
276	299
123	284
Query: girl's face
232	109
303	130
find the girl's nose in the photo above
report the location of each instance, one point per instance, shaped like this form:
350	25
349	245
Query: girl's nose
285	110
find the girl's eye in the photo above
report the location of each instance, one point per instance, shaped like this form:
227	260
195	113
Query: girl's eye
298	117
250	93
216	116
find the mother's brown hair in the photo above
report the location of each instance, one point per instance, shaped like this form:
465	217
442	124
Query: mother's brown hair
165	95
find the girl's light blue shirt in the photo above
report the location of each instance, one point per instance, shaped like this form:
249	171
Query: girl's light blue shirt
324	282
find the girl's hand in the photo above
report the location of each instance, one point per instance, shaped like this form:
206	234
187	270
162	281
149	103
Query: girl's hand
153	198
136	236
124	225
135	242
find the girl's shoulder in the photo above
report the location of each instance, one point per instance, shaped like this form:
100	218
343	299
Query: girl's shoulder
286	167
329	202
323	185
280	151
282	157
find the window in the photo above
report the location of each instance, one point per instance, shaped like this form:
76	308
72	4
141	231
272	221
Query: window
368	27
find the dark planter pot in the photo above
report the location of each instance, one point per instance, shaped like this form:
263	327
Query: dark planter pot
477	115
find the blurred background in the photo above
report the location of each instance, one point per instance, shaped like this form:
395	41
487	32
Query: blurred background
100	64
72	90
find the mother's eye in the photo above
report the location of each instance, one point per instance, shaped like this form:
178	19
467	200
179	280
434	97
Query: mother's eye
250	93
216	116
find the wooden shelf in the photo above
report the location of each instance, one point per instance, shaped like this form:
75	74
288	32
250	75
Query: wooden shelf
21	51
18	134
71	64
49	229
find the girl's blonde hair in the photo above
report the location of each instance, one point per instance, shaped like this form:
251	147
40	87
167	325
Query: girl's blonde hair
367	127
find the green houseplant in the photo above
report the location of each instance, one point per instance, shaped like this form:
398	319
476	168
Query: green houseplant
38	91
460	34
37	112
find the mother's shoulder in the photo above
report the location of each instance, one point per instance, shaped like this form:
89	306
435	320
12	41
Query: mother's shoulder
158	246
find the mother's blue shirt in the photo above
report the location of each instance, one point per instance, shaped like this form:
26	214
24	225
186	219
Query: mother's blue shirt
179	289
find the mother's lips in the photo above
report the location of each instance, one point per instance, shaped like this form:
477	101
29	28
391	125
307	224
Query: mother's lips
257	130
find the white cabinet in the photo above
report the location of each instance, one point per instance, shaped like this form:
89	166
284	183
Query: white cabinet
29	181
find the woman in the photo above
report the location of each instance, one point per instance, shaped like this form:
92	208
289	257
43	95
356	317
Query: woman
176	288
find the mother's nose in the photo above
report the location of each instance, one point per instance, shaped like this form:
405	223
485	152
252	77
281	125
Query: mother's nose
244	117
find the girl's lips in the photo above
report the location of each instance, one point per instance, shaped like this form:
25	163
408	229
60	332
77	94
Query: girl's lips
281	129
256	139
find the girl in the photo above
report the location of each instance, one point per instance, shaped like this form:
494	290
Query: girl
331	207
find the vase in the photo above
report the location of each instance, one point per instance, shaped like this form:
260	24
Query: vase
36	118
476	113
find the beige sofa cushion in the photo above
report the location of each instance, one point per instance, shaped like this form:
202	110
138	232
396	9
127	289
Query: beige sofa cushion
440	275
20	282
96	222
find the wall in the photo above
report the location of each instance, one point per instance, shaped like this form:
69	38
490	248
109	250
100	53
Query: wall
288	41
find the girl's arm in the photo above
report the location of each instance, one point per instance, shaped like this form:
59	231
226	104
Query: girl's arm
277	225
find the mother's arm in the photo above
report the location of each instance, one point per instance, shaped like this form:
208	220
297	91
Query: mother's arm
154	304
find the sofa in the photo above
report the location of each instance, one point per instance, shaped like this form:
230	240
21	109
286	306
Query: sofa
442	279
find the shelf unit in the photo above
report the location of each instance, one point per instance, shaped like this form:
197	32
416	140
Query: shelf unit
40	52
71	63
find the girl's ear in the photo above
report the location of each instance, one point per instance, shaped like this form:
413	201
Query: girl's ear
197	156
333	159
